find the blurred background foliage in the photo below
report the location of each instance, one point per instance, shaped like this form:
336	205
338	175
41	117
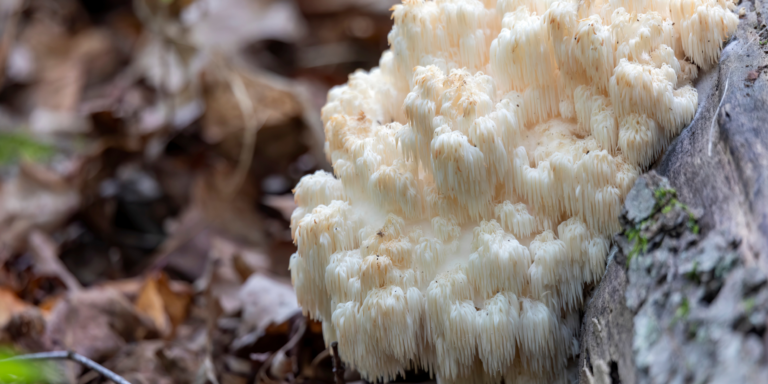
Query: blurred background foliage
148	149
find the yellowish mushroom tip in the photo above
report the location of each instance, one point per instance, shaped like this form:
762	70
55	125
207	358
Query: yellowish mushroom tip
479	173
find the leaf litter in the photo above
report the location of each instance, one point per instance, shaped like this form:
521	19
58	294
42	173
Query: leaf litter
147	153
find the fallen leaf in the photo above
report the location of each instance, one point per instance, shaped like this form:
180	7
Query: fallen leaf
25	330
10	304
333	6
177	297
138	363
166	306
185	251
227	25
47	262
35	198
156	362
245	260
150	303
229	212
61	66
96	323
225	281
276	101
266	301
285	204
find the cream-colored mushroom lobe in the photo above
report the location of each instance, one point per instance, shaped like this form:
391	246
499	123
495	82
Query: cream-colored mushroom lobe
478	175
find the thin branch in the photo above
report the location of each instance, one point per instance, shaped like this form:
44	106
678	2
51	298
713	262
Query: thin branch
69	355
338	366
261	376
252	124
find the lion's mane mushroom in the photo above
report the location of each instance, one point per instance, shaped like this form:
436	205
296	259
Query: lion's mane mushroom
479	172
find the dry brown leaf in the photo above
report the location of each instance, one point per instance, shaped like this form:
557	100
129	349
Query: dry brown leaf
231	213
225	282
155	362
25	330
96	323
166	306
245	260
61	64
273	101
220	225
177	297
47	305
10	304
150	304
47	262
138	363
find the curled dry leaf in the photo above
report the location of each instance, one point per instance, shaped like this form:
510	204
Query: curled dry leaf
150	303
167	306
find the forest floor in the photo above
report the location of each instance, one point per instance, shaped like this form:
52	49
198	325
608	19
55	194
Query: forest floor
148	150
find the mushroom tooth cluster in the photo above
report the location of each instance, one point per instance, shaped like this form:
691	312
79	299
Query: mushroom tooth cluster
701	22
478	174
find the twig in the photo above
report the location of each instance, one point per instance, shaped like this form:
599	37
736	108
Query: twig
324	354
261	376
69	355
338	366
252	124
714	117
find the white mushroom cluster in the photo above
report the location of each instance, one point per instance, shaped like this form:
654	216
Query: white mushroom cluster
479	173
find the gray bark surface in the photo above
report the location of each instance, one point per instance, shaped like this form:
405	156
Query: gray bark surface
684	296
